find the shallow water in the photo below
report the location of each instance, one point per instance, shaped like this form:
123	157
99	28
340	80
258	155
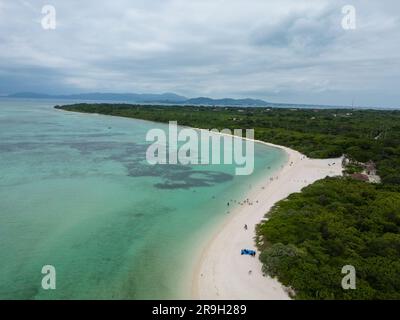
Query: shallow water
77	193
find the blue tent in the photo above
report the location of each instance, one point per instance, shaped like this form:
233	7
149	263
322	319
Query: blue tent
248	252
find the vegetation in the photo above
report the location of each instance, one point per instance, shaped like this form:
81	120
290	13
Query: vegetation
311	235
335	222
353	168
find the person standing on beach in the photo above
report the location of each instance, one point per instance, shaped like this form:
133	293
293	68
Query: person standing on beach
245	227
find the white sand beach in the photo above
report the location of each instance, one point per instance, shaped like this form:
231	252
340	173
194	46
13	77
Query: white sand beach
222	272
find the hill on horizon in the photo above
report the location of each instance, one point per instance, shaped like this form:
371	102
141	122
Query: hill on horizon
144	98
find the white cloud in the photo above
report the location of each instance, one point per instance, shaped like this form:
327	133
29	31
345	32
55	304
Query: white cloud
291	50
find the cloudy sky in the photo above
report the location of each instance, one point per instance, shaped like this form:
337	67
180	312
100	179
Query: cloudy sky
293	51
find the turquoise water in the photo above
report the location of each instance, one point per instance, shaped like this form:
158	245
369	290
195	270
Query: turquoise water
77	193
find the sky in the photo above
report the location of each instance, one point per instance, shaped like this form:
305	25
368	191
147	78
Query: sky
289	51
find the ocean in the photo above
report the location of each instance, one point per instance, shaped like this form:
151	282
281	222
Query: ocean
77	193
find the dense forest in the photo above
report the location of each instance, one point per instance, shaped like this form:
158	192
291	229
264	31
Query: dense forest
335	222
311	235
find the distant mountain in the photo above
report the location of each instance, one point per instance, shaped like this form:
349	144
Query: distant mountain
29	95
144	98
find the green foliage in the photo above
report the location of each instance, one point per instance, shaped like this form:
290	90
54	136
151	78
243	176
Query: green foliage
353	168
335	222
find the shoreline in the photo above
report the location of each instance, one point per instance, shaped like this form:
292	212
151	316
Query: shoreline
221	272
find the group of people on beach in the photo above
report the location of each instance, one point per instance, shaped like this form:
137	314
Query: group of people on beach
244	202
